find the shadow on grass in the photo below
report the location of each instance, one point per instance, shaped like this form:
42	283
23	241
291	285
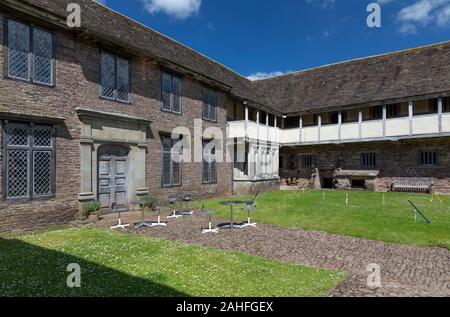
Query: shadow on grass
30	271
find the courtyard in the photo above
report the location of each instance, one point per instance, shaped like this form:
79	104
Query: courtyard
312	243
117	264
387	217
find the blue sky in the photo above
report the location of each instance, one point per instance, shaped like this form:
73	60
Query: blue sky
263	37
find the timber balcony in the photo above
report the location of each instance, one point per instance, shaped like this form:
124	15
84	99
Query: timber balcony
406	123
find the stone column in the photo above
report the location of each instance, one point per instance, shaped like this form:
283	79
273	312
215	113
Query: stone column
88	161
141	188
86	190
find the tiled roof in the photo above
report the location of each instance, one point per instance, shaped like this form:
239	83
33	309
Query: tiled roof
413	72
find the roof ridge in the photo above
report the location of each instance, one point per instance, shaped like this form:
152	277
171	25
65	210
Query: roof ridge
169	38
398	52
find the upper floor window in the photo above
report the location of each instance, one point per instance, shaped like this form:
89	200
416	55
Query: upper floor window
209	104
292	123
115	77
30	53
446	104
29	160
171	93
428	158
376	113
368	159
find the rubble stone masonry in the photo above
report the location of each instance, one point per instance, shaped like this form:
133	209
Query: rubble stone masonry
77	86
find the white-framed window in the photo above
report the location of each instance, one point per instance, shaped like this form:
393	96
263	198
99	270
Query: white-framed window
114	77
209	104
29	160
428	158
30	53
172	169
209	163
368	159
171	93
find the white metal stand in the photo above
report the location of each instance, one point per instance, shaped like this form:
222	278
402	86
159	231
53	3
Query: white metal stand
159	223
120	225
210	229
249	224
249	208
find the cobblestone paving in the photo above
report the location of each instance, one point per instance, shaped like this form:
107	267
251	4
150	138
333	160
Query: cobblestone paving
405	270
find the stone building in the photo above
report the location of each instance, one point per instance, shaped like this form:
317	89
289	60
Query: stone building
87	113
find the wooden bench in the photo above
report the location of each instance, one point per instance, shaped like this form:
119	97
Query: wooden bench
412	184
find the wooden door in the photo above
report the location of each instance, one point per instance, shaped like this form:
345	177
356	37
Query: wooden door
112	176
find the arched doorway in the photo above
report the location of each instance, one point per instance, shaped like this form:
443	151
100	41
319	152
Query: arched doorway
112	175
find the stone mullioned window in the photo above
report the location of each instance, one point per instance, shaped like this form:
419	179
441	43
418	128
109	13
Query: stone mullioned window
30	54
29	162
115	78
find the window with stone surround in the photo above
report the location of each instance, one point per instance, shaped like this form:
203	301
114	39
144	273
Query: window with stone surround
172	170
115	77
292	162
428	158
209	104
29	160
368	160
171	93
209	163
307	160
30	53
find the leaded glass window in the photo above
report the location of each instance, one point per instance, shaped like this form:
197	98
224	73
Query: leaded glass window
209	163
30	53
171	95
172	170
115	77
209	105
29	160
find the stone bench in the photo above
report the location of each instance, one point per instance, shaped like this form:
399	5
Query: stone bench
412	184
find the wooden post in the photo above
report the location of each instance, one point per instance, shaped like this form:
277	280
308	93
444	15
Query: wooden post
319	125
410	114
440	109
360	120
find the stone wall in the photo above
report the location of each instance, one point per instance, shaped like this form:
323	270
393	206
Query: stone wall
77	86
394	159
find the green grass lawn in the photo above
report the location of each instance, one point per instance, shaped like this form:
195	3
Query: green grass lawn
115	264
366	216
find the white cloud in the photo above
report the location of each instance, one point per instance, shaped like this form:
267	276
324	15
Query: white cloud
322	3
180	9
263	75
424	13
384	1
